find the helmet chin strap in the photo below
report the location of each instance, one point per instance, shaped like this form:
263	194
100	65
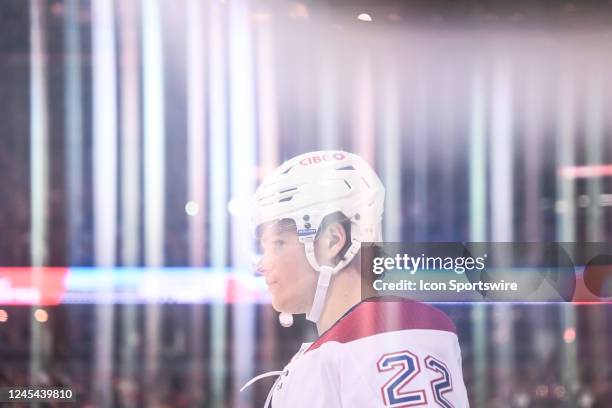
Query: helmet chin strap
325	274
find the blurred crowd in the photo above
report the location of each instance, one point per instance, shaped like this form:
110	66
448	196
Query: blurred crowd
69	361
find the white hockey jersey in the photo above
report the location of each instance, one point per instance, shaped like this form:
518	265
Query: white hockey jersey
379	354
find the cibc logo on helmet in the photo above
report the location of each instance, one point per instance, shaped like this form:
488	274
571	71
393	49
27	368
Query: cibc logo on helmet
320	158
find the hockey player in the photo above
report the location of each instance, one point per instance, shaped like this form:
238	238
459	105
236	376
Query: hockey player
311	216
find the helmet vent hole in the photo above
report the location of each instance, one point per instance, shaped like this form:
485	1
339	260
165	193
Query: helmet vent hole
349	167
282	200
287	190
347	184
365	181
288	170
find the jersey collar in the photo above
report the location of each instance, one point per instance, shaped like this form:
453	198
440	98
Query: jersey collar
384	314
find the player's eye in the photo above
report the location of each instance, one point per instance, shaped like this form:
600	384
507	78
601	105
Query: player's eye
278	244
271	245
258	246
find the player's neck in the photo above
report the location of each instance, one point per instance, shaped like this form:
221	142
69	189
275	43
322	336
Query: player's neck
344	292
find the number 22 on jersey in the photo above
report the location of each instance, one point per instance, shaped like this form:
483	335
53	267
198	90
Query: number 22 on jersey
407	367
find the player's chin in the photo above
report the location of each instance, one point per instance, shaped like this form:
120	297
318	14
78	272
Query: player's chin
279	304
284	304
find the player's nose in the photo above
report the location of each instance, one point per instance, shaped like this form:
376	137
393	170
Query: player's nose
262	266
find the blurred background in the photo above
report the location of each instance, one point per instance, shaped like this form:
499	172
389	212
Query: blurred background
134	132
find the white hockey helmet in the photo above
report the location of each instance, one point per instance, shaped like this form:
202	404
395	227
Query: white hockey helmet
309	187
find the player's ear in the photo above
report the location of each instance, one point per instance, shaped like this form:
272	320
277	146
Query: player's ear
332	240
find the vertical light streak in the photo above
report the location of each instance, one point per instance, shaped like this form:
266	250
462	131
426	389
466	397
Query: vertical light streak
502	154
364	110
154	178
390	131
130	132
39	189
446	155
196	133
154	162
104	184
218	135
594	133
502	224
74	127
420	148
74	137
130	174
242	122
478	224
267	102
104	132
595	228
478	159
242	163
268	156
328	112
535	91
218	187
566	127
39	161
532	153
565	156
196	176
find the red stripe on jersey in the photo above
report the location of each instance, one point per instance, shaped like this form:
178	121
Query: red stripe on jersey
380	315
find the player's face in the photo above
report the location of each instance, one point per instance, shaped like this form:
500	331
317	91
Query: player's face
290	279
